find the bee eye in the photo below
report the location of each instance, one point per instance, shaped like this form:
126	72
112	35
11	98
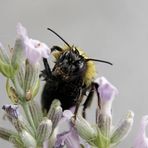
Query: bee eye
79	63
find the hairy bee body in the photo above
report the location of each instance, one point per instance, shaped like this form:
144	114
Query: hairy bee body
66	92
69	79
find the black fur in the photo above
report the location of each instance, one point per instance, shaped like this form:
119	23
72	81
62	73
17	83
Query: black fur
65	80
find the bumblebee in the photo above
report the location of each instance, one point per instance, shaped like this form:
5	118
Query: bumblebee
70	78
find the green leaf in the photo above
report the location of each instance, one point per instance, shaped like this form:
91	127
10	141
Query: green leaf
7	70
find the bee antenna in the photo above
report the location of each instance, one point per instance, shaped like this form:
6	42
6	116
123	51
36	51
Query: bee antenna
102	61
59	36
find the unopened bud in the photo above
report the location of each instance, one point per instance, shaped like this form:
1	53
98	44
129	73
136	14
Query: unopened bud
36	112
31	80
84	128
27	139
123	129
17	54
55	113
44	130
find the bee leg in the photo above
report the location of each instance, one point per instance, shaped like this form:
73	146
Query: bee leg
47	68
98	95
46	73
99	101
79	100
46	65
88	100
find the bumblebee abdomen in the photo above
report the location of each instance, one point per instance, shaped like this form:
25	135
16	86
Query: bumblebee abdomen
67	93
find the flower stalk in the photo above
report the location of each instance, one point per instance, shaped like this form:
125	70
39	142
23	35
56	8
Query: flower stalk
28	115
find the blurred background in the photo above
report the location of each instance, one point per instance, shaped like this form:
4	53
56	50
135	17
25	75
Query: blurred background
113	30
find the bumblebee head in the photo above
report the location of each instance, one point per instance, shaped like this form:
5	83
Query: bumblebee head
70	64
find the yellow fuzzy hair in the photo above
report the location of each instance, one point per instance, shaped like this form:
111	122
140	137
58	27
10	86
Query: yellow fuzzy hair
90	70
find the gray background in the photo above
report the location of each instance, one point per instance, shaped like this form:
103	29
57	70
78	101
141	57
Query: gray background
113	30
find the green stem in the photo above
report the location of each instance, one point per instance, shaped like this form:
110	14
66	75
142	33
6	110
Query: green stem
28	115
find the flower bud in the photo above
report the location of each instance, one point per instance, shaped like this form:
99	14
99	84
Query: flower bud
57	116
44	130
55	112
84	128
141	140
27	139
36	112
35	88
31	81
6	134
123	129
17	55
50	143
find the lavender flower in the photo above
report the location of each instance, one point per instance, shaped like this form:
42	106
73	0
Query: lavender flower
141	140
11	110
70	139
107	93
34	49
122	130
83	127
14	116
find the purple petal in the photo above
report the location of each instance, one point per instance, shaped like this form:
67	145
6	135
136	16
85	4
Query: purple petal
106	90
21	31
11	110
69	138
141	140
34	49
